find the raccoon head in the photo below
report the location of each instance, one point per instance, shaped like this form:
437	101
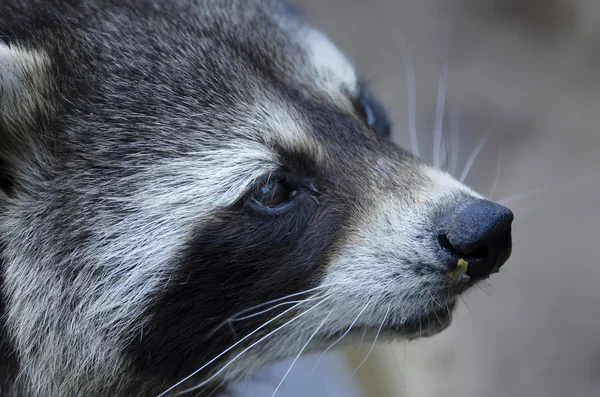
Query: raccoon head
192	189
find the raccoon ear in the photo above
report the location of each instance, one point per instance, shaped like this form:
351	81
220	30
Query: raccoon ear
26	92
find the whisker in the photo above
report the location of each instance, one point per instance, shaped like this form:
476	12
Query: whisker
446	152
393	353
521	196
228	349
212	393
497	177
362	338
440	306
434	313
487	293
439	116
374	342
465	303
570	185
300	353
529	211
473	156
504	270
412	93
490	286
235	319
454	140
249	347
232	329
339	339
289	296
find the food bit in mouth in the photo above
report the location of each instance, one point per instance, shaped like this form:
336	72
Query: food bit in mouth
460	273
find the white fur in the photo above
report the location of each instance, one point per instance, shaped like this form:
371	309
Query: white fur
361	274
66	324
282	125
385	243
331	70
22	83
104	310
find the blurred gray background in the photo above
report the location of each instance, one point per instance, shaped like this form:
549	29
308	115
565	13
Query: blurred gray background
526	72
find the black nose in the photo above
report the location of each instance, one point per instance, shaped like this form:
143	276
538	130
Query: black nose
480	234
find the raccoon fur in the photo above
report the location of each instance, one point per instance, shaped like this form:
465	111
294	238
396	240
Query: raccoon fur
191	189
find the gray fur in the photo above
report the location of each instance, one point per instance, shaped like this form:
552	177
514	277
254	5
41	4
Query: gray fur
138	121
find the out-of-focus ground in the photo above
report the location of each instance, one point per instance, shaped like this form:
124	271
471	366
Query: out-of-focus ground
527	72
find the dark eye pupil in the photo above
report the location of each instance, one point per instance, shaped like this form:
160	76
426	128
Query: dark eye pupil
273	193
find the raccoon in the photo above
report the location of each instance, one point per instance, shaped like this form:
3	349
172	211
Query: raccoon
191	189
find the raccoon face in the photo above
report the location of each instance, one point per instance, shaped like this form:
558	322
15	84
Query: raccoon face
190	190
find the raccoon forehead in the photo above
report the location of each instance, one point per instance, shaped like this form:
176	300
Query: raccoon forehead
329	70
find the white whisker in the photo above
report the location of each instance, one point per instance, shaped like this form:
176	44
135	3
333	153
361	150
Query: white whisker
570	185
248	348
288	296
436	302
521	196
300	353
412	93
316	297
212	393
529	211
229	349
374	342
393	353
434	313
454	140
232	329
439	116
473	156
339	339
446	159
234	317
497	177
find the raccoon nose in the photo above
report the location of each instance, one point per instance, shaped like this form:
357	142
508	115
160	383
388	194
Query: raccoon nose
479	234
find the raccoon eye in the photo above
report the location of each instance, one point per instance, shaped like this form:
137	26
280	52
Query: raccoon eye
273	195
372	112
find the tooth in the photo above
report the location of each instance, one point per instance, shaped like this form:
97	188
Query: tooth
460	271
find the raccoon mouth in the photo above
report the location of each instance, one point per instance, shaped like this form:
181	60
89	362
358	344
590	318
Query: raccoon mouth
430	324
425	324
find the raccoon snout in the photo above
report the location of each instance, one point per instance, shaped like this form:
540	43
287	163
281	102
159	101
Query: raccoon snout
479	234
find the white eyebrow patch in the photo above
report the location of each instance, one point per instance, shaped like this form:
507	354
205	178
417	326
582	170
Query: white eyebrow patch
282	125
23	82
331	70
